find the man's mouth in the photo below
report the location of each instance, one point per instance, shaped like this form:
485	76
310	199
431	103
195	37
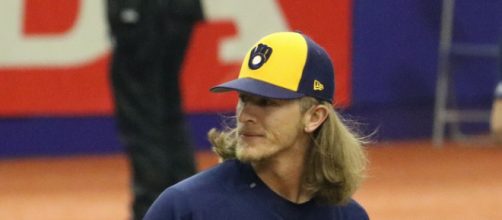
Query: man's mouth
250	134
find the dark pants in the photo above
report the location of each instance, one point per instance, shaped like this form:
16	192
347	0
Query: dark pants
145	69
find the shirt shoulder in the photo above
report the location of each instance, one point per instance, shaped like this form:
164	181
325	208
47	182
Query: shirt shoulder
221	177
171	204
354	211
191	197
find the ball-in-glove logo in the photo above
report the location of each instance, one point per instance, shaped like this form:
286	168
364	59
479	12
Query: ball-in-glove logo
259	55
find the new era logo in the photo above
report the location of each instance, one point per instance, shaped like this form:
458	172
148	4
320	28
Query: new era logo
318	86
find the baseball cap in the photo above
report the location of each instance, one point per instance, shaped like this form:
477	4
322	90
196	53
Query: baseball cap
284	65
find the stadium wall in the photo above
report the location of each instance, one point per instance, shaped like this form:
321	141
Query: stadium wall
55	96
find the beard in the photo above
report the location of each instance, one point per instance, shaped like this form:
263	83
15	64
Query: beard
261	149
255	152
246	153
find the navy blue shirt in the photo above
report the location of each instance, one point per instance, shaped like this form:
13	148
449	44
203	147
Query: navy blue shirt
232	190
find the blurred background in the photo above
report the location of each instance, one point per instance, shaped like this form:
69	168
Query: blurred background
60	157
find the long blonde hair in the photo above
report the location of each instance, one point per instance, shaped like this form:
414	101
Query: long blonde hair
335	164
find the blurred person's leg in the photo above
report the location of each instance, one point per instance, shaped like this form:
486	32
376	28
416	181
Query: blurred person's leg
496	117
145	66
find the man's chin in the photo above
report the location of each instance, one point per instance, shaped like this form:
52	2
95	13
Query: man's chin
248	154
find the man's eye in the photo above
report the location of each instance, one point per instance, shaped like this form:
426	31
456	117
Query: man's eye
265	102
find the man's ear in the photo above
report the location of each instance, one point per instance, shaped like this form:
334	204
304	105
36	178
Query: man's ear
314	118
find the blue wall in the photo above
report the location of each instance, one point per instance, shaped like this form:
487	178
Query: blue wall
395	59
395	48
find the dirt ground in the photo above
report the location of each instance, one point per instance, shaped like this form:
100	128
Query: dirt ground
406	180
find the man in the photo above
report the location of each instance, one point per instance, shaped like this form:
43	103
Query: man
289	156
150	40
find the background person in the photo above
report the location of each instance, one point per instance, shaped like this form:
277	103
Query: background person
150	40
496	116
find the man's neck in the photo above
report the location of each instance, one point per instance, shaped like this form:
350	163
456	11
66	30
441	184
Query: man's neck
284	175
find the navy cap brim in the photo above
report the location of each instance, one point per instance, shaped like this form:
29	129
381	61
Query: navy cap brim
256	87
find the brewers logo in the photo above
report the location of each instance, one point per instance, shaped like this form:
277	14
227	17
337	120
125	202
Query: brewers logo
259	56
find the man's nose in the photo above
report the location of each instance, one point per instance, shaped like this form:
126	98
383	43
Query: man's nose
246	112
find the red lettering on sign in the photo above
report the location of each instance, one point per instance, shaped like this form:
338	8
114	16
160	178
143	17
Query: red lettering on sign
49	17
202	69
80	90
84	89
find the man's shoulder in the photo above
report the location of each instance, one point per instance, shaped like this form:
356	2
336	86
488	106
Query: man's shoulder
354	211
198	195
216	177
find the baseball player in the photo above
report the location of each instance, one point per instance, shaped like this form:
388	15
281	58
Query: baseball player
289	156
